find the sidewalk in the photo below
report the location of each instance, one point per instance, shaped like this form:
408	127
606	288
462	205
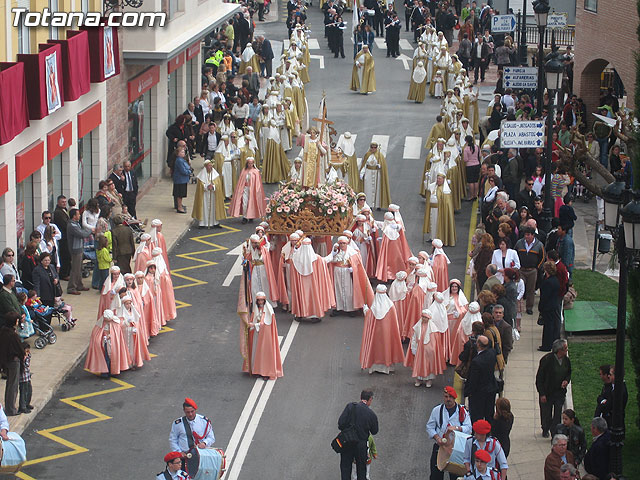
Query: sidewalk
51	365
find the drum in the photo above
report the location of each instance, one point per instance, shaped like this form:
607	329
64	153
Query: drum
13	454
451	456
206	463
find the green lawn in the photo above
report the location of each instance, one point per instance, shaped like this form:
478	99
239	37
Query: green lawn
587	354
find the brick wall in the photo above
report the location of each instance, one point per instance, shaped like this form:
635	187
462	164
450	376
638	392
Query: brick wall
117	110
608	36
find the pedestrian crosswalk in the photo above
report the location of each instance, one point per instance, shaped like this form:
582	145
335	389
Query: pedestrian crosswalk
314	43
412	149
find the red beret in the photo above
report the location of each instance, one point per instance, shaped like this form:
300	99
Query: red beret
482	427
483	455
191	403
450	391
172	456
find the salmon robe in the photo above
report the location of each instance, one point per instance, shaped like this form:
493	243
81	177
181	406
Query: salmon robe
139	306
266	359
134	336
381	343
414	306
157	240
254	205
152	298
362	291
311	295
109	298
166	285
426	355
119	358
392	257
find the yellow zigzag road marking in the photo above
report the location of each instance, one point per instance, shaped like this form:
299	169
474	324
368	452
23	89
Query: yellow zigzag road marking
75	449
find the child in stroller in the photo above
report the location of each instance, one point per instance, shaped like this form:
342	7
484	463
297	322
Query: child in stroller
61	311
133	223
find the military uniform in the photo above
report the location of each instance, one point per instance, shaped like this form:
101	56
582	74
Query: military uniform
186	434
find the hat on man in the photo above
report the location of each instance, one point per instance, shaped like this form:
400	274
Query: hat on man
172	456
483	456
482	427
189	402
449	390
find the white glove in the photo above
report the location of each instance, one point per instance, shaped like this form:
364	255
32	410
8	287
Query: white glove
362	175
365	308
350	270
456	314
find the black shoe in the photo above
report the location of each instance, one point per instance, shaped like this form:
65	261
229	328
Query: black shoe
30	407
244	220
12	414
342	56
217	226
545	434
388	55
251	220
201	227
335	56
334	313
529	311
352	314
24	410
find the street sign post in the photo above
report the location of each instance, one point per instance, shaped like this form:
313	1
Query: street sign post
521	77
522	134
503	23
557	20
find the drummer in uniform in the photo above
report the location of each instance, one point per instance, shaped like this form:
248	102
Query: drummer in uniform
446	417
173	471
482	470
192	430
481	440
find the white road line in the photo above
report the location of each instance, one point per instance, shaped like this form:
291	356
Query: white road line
405	45
380	43
314	44
236	269
234	471
405	60
382	141
285	43
412	147
319	57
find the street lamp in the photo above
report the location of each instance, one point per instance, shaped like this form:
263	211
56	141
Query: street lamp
553	73
624	224
541	9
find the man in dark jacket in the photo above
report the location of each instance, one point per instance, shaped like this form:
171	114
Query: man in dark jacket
596	461
481	385
604	407
130	188
124	245
365	423
479	58
76	235
526	196
253	79
118	178
506	337
266	53
61	219
552	378
11	355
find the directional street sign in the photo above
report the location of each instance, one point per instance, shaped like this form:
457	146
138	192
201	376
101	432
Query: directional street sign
503	23
521	77
522	135
557	20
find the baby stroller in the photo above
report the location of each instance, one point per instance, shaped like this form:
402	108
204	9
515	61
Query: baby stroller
43	330
59	312
136	227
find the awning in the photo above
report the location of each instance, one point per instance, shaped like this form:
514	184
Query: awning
196	32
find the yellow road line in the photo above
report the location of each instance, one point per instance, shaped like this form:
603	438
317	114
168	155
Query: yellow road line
468	283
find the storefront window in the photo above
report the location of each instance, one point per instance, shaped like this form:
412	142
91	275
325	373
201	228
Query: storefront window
140	135
54	180
173	96
25	221
85	170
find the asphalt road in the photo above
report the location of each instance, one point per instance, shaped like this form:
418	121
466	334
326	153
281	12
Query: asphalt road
283	428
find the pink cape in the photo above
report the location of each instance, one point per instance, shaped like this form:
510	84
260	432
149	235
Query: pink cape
162	243
277	242
312	295
430	358
281	280
143	330
266	358
392	258
141	260
381	344
120	359
414	301
257	204
370	261
105	302
168	297
153	312
362	291
401	310
440	272
457	345
454	323
271	278
140	351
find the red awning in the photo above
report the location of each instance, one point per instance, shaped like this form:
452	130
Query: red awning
4	179
29	160
193	50
89	118
44	79
175	63
14	110
143	82
105	52
76	62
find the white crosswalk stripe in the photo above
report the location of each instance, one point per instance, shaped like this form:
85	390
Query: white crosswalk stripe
405	45
313	44
380	43
382	141
412	147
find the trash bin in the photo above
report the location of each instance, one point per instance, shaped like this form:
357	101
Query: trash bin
604	243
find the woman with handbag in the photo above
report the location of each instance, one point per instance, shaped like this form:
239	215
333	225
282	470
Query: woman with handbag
466	355
45	281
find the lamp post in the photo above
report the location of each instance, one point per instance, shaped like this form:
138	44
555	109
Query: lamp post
624	225
541	9
522	45
553	73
